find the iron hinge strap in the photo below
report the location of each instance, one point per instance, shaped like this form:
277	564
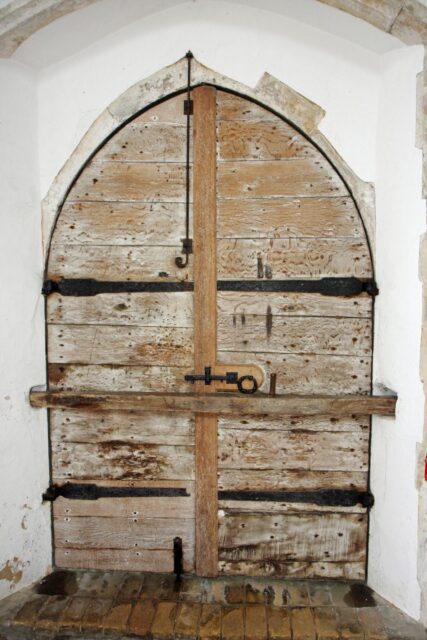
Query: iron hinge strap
83	491
322	497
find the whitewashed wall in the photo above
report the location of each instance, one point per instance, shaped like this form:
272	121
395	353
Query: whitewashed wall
369	98
24	523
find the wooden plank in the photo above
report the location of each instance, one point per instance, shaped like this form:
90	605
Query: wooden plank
117	378
267	333
289	217
120	223
145	507
293	258
305	537
126	345
240	304
262	140
95	532
116	263
274	179
315	451
205	321
117	460
225	403
289	480
158	560
232	107
146	142
126	426
142	309
130	182
239	507
170	111
310	373
297	570
292	423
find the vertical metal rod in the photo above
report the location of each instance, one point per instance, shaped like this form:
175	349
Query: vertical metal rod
177	557
187	243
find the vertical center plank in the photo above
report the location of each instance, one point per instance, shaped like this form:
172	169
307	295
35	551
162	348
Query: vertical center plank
205	324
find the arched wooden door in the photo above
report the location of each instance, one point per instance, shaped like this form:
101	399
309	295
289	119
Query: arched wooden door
276	285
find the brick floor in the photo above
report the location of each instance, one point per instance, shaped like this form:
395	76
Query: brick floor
96	604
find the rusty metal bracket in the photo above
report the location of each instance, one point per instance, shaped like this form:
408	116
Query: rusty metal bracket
326	497
83	491
230	377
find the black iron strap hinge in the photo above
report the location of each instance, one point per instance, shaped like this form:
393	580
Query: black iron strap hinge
83	491
322	497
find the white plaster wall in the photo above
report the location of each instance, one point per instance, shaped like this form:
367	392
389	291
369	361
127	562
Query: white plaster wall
400	223
24	524
370	104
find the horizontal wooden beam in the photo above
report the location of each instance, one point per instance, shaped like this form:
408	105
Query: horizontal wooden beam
217	403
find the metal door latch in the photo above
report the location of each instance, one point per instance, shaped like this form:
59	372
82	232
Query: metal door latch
230	377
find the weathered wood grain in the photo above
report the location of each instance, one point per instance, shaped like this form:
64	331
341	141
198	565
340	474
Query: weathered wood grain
232	107
355	424
205	325
158	560
298	569
291	304
283	259
94	532
116	263
121	460
313	451
259	507
225	403
130	181
323	537
120	223
170	111
250	479
269	334
125	426
92	344
145	507
142	309
117	378
310	374
146	142
277	179
262	140
289	217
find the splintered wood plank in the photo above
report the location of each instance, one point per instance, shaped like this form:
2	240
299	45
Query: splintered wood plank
205	321
293	423
293	258
289	569
267	333
239	304
218	403
262	140
120	223
289	480
123	345
94	532
143	309
315	451
310	374
260	507
142	507
146	142
116	263
157	560
319	537
117	378
289	217
151	428
134	182
232	107
297	177
117	460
